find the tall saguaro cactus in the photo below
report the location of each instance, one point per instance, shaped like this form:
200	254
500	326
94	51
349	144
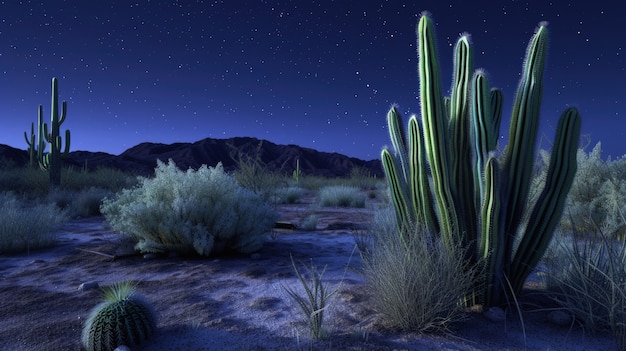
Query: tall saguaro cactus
52	161
447	176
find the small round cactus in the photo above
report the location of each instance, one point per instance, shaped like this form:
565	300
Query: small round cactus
123	318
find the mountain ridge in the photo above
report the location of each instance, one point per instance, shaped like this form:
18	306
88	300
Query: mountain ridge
142	158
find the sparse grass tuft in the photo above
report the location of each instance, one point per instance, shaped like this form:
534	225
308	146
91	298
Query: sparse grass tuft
314	303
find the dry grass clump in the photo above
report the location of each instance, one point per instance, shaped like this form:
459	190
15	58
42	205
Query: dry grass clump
588	276
25	226
416	283
341	196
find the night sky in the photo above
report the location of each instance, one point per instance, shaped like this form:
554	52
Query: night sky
320	74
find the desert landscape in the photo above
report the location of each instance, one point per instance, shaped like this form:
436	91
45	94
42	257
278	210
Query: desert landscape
240	302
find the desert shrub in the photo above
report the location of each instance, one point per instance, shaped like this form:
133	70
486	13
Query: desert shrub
288	195
203	212
123	318
597	195
416	283
588	277
26	226
309	223
341	196
23	180
362	178
36	183
86	202
252	173
102	177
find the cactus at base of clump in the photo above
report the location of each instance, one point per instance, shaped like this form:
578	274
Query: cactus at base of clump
52	161
124	318
447	176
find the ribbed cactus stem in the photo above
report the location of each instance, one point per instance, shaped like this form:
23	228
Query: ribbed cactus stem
398	139
435	123
549	206
420	188
397	188
520	151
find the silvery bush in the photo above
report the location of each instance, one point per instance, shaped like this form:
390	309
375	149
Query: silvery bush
204	212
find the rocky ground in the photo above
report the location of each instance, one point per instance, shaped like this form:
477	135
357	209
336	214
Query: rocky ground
240	303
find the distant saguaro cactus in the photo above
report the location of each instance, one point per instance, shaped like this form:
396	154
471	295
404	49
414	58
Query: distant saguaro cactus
31	141
446	176
52	161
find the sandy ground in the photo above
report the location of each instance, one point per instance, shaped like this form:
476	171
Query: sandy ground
240	303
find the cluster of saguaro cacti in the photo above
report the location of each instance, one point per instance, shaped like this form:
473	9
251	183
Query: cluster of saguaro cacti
124	318
446	175
52	160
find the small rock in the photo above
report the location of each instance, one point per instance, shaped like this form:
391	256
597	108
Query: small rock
122	348
88	286
560	318
150	256
37	261
495	314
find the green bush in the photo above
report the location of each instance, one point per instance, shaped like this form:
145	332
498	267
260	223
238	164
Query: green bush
203	212
124	318
341	196
25	226
416	283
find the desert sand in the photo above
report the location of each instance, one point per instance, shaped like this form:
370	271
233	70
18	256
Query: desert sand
240	303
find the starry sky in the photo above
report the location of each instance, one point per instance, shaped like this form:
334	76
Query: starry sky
319	74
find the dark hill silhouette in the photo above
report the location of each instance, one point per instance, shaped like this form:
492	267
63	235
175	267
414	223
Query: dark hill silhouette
141	159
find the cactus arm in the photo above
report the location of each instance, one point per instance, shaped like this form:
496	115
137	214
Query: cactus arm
548	209
523	131
397	189
398	139
420	187
32	145
461	146
481	114
491	243
435	125
496	110
66	150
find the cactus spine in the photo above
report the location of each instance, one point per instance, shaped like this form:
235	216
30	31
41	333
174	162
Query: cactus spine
52	161
473	197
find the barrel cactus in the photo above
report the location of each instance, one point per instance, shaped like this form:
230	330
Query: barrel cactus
123	318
